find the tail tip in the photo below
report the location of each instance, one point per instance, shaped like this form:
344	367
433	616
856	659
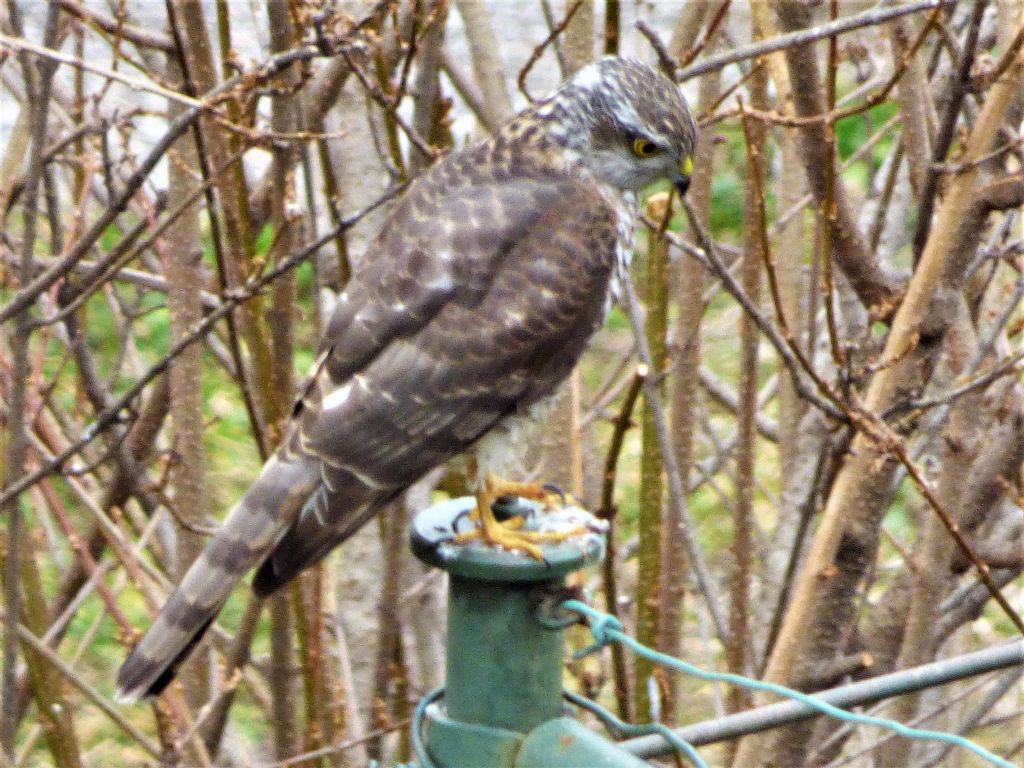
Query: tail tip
126	696
132	686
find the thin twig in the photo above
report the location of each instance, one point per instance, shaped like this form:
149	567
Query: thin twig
341	746
793	357
112	414
833	114
258	75
708	34
944	137
676	489
622	423
828	213
665	61
607	511
135	84
882	434
866	19
539	50
88	690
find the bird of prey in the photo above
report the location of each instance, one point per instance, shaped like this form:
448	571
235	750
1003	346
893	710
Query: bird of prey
471	306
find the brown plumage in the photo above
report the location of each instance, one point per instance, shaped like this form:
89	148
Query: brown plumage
474	302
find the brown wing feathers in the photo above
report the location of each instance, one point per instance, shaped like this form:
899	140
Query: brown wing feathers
472	308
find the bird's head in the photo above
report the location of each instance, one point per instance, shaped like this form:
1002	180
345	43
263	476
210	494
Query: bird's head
631	124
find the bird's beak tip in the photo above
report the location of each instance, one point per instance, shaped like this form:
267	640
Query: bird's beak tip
681	178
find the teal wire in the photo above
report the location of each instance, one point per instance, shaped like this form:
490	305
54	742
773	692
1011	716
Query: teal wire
416	728
622	728
607	629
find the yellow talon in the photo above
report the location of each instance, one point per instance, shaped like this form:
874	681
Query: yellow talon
507	534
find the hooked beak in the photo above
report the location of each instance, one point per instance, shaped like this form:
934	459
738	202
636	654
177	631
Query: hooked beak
681	178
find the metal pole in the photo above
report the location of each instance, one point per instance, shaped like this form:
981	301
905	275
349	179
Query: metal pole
504	667
865	692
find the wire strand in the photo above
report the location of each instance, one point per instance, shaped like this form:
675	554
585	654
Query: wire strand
607	629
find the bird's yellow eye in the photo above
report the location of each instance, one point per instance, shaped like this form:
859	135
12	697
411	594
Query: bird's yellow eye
644	148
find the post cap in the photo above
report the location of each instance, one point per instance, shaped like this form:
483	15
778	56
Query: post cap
434	530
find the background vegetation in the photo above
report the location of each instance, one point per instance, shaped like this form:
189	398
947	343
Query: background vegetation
832	492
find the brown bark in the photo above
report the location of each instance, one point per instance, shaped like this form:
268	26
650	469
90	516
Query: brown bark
284	221
874	286
17	558
688	283
282	677
181	257
916	106
976	492
650	525
389	623
485	55
231	226
754	257
429	109
845	542
578	38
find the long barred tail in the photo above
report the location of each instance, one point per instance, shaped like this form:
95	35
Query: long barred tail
248	534
326	522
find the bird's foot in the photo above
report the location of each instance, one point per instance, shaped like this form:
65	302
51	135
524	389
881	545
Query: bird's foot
509	534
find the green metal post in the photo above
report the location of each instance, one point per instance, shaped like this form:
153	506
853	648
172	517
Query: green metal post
502	706
504	670
504	675
565	743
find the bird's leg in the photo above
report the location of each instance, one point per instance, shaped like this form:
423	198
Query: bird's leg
507	534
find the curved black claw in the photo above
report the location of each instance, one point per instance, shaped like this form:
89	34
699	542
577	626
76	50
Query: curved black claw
557	491
507	507
457	519
553	488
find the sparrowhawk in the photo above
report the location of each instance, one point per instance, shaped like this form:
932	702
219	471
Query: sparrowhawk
471	306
